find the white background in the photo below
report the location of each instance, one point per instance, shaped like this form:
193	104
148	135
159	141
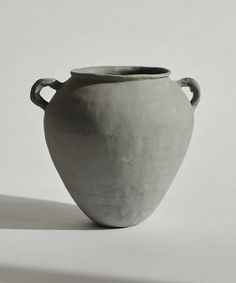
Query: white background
192	235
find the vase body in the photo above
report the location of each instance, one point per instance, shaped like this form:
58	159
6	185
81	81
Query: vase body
117	141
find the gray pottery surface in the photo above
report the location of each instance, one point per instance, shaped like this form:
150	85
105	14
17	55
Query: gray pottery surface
117	137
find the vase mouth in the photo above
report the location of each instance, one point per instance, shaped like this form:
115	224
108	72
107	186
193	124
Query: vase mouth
131	72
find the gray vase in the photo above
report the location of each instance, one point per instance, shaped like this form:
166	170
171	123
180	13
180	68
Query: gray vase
117	137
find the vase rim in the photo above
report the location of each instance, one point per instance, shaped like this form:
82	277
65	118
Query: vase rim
132	72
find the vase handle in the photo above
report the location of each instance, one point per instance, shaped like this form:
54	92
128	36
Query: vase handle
35	96
195	89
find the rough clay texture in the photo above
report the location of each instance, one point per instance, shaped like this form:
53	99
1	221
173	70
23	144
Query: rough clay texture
117	145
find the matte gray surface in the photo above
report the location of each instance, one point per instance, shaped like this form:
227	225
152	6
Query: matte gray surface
117	136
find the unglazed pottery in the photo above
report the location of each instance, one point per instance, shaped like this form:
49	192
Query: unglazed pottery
117	137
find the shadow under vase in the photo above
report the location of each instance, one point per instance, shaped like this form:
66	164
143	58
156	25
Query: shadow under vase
27	213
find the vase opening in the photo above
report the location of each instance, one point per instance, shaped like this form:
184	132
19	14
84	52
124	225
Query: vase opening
124	71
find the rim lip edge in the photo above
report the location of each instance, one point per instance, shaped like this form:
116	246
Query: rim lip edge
100	71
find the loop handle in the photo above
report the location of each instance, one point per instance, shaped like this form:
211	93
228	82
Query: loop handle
194	87
35	96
